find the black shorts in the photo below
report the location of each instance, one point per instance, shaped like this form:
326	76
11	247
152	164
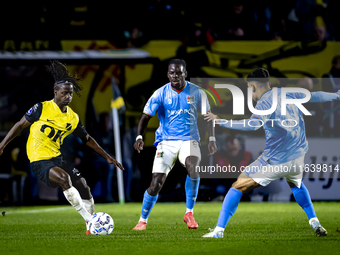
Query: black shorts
41	169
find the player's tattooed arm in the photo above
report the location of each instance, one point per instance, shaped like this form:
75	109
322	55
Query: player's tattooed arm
14	132
91	143
143	123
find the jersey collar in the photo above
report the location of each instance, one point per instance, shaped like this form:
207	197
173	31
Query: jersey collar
57	107
264	93
179	91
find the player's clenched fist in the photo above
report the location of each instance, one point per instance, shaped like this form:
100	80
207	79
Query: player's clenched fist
139	145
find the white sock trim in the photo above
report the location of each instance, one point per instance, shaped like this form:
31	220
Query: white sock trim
218	229
189	210
143	220
312	219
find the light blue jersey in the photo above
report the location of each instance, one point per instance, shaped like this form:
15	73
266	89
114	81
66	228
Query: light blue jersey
177	111
285	134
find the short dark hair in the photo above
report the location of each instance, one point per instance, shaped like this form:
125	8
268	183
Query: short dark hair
259	75
177	61
61	75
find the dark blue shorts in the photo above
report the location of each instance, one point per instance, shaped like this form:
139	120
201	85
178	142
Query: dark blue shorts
41	169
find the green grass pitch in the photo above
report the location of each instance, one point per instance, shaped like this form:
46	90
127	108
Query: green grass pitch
255	228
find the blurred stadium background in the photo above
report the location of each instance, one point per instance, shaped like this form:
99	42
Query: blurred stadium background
127	46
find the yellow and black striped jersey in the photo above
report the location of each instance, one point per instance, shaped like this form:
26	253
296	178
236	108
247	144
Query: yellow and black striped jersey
49	128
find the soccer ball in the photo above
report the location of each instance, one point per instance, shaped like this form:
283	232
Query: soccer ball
101	224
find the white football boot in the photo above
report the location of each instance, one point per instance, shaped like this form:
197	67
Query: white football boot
214	234
317	228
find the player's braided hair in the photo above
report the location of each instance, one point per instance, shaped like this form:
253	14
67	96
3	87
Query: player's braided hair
259	75
178	61
61	75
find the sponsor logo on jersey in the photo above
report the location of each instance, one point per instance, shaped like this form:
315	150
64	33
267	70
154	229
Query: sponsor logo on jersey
29	111
160	154
190	99
68	126
32	109
178	112
169	101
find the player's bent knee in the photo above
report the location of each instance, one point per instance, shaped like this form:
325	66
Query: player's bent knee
190	163
64	181
155	188
244	183
238	186
157	182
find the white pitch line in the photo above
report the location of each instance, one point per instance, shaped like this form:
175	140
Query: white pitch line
40	210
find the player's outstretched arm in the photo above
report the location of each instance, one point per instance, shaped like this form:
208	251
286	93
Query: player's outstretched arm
143	123
14	132
321	97
91	143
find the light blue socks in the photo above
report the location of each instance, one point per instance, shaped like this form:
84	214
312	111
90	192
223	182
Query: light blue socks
229	206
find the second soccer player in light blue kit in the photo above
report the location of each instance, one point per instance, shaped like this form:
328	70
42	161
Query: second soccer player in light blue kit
178	103
283	156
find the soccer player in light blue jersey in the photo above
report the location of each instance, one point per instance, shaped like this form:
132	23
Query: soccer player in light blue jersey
178	103
283	156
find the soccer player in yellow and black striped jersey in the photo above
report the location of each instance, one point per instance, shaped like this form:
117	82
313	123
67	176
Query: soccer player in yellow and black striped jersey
51	121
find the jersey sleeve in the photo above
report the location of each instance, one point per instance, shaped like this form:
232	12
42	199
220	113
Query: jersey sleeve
203	98
322	97
80	131
298	95
153	104
34	113
262	106
318	97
